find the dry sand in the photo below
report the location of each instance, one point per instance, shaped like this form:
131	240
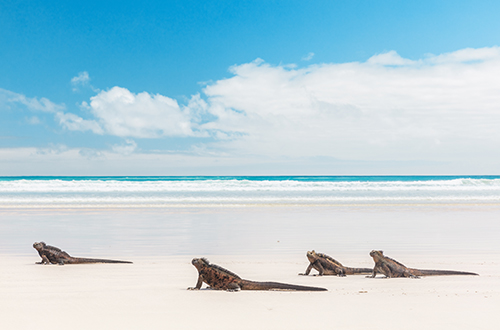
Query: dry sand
151	294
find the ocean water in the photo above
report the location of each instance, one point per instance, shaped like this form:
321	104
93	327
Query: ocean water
231	191
203	216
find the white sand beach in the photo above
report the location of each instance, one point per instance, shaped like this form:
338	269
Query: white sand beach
152	292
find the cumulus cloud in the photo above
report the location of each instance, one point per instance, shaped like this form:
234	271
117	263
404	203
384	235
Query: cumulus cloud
385	108
123	113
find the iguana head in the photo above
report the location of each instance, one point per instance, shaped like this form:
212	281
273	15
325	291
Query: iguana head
312	256
377	254
39	245
200	262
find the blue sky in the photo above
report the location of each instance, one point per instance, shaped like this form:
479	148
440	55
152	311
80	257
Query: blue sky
249	87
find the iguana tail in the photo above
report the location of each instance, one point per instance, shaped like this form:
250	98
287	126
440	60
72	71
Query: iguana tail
250	285
95	261
352	271
432	272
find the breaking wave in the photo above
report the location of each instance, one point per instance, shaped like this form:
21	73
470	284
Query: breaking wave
159	191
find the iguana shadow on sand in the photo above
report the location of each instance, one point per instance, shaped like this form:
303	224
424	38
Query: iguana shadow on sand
54	255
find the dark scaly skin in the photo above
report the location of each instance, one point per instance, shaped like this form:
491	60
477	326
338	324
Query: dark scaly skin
222	279
392	268
326	265
54	255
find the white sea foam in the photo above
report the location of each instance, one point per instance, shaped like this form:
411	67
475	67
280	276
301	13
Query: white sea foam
225	192
243	185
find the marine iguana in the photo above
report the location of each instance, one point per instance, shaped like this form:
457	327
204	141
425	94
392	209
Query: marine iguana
54	255
326	265
222	279
392	268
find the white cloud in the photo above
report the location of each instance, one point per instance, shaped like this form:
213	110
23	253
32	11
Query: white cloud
125	114
308	57
82	80
75	123
389	58
439	107
32	104
466	55
52	149
34	120
125	149
67	120
442	107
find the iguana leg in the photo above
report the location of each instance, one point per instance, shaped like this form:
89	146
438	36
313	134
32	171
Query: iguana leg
308	270
340	272
387	271
233	287
65	260
45	261
410	275
374	273
320	269
198	284
62	261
